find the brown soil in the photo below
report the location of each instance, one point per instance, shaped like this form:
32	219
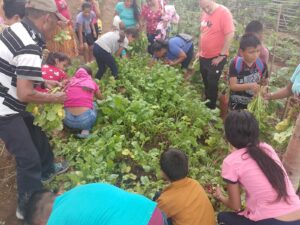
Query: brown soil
8	188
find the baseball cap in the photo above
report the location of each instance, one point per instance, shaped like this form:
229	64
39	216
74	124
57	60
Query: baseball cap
47	6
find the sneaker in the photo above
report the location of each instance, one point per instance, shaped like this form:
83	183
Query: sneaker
20	213
59	168
83	134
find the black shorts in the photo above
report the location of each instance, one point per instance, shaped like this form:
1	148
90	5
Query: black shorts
87	38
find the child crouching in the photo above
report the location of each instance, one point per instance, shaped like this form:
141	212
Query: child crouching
184	200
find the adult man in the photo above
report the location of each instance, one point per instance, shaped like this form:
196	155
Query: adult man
20	68
99	203
217	32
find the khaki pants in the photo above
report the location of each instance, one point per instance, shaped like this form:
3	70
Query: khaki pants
291	158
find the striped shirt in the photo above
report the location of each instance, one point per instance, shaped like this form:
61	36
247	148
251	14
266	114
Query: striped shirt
20	58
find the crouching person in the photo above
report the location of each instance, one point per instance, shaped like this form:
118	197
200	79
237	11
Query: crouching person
99	203
80	110
184	200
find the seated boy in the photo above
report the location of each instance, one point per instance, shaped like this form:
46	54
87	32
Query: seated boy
256	28
246	73
184	201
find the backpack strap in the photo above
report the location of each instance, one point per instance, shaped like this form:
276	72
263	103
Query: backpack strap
238	63
260	66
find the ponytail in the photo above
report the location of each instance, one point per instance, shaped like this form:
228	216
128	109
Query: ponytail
136	10
242	131
271	169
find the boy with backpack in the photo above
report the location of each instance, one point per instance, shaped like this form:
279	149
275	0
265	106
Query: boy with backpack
246	72
184	200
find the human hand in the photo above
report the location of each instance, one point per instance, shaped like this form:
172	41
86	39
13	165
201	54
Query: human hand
94	34
267	96
218	193
255	87
52	84
197	55
217	60
81	46
59	97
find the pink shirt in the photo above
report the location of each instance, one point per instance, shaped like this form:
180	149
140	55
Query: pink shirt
214	28
63	8
264	54
80	91
260	195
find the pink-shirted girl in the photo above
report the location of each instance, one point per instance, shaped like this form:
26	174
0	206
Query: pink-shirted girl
255	167
80	110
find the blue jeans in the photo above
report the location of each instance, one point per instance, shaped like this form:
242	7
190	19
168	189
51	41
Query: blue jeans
231	218
84	121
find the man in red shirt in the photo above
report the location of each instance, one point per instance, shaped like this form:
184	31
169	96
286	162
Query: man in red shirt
217	32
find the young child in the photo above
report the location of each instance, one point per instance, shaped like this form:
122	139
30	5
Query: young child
80	111
54	68
112	44
169	17
86	31
256	168
184	200
246	72
256	28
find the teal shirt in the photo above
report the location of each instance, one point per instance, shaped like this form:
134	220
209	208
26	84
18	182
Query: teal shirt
296	81
100	203
126	15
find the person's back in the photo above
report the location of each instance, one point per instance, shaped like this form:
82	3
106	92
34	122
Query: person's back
93	204
186	203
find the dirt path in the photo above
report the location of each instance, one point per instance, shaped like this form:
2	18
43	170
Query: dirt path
8	189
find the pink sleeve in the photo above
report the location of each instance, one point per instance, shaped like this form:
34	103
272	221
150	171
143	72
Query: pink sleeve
227	22
229	172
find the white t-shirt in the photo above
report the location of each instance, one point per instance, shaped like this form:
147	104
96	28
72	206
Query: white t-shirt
110	42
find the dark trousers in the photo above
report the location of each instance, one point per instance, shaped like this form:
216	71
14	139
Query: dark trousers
189	56
231	218
103	59
30	147
211	75
150	38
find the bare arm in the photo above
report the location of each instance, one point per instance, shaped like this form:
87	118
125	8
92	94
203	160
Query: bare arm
227	43
233	201
99	94
234	86
118	53
26	93
181	57
80	28
282	93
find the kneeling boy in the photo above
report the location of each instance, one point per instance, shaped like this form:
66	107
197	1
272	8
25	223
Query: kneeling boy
184	200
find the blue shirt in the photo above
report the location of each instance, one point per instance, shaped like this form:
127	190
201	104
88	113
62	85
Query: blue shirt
296	81
126	15
176	45
100	203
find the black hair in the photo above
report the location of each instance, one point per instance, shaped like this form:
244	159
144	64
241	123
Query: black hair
254	26
86	5
242	131
129	31
87	69
14	7
35	206
61	57
249	40
174	163
136	10
159	45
